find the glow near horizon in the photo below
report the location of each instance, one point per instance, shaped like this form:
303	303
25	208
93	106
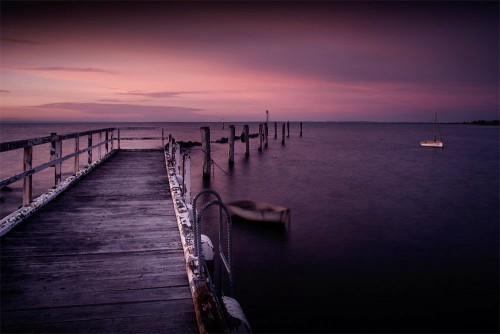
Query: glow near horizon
321	62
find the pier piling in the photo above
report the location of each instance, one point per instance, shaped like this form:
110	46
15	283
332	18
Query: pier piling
283	135
288	129
231	144
247	142
260	136
301	129
275	130
266	132
205	145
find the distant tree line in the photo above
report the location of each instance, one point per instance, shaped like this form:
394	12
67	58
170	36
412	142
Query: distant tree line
483	122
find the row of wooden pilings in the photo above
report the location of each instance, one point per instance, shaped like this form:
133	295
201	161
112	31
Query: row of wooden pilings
245	137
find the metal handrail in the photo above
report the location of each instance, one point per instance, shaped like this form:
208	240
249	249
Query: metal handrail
196	230
226	258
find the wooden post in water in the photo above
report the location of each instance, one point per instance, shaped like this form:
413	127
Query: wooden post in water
56	154
231	144
288	129
261	133
77	157
266	132
28	180
99	141
275	130
186	177
283	135
89	144
205	145
247	142
301	129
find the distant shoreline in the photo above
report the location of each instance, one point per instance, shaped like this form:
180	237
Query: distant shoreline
476	122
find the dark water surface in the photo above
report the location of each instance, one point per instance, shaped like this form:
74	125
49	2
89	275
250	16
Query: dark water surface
385	236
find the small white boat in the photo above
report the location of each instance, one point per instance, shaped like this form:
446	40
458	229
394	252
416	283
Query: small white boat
436	142
259	211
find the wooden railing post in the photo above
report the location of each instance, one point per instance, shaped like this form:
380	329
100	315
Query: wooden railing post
186	177
205	145
112	139
99	144
56	154
162	138
231	144
170	144
89	144
107	146
77	157
28	180
177	155
118	138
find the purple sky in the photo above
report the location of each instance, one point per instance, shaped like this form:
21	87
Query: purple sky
204	61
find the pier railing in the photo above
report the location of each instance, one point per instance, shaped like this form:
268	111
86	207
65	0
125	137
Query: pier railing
105	144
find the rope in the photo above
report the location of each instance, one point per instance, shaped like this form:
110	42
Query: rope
212	161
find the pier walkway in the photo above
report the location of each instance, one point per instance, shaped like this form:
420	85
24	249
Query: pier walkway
105	256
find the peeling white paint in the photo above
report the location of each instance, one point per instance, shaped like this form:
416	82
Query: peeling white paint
183	213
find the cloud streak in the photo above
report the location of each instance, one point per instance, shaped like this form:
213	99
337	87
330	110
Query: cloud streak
148	113
157	95
18	41
69	69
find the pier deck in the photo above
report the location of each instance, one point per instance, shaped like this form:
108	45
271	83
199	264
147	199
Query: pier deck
105	256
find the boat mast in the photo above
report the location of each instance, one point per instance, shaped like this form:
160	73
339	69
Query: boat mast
435	122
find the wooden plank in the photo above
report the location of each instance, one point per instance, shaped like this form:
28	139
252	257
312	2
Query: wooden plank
110	317
105	256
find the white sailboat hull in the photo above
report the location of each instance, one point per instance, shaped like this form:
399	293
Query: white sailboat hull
432	143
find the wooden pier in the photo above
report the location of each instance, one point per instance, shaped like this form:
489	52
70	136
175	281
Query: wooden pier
105	256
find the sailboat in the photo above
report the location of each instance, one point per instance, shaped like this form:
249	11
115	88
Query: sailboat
436	142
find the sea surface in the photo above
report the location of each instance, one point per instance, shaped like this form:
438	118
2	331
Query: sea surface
385	235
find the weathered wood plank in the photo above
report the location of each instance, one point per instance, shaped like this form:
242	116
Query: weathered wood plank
110	318
103	257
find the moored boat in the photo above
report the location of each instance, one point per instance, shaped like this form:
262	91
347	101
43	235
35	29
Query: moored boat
259	211
434	142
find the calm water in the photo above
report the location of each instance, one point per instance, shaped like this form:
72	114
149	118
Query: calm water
386	236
